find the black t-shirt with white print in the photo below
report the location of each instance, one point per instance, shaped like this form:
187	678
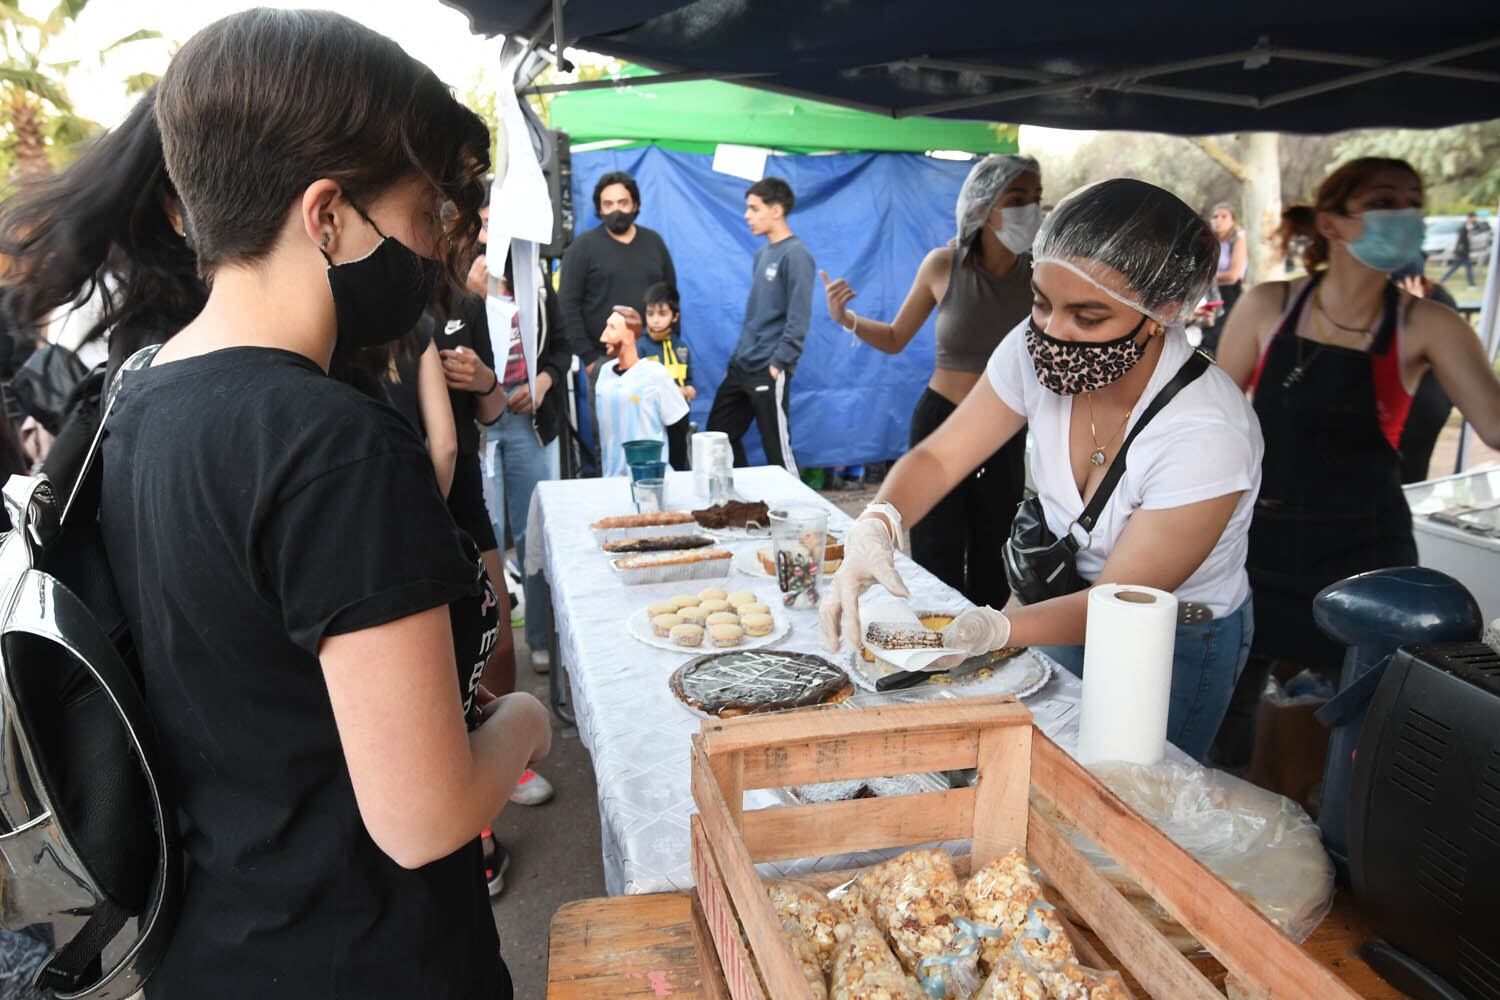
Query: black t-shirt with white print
251	507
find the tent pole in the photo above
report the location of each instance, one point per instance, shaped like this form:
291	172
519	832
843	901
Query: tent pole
1371	62
686	76
1106	80
1009	73
1489	336
1389	69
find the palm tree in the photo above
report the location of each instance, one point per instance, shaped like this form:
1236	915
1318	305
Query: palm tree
34	104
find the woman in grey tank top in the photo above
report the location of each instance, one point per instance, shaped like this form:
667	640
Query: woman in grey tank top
980	285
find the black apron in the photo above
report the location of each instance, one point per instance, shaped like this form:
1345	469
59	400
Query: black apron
1330	501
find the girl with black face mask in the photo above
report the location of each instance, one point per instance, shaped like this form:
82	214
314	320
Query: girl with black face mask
280	546
1117	268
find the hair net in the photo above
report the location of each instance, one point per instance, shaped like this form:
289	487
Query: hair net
983	187
1137	243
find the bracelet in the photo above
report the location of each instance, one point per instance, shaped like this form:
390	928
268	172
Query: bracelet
853	327
493	387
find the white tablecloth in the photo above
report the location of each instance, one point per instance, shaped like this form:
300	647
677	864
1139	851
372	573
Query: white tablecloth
634	728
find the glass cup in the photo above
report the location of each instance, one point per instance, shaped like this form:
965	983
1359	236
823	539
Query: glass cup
798	535
650	495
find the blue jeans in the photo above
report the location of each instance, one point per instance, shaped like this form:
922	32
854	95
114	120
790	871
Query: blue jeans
1205	665
520	463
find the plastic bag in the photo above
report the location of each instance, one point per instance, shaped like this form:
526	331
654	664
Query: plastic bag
1263	845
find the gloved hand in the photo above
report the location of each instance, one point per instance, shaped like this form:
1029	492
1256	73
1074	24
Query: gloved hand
978	630
869	557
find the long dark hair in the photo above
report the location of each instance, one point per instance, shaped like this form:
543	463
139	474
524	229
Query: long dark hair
102	226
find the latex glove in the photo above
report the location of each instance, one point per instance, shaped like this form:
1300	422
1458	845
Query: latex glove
978	630
869	558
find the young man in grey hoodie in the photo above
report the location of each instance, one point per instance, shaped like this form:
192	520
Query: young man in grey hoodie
776	318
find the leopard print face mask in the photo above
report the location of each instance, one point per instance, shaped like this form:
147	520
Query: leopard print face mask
1070	367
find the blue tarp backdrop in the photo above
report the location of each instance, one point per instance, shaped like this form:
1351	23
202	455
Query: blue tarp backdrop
869	217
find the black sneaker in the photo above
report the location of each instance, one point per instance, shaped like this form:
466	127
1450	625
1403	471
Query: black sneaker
496	862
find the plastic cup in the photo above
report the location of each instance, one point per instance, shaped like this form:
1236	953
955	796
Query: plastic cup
798	535
640	452
650	495
647	470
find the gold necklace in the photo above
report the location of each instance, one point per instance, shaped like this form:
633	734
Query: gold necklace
1096	457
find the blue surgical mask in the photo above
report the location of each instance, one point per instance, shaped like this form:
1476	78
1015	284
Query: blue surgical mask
1392	238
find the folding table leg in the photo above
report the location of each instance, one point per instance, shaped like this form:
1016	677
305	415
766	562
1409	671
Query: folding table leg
558	682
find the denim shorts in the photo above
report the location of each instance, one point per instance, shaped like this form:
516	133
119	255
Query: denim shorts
1206	663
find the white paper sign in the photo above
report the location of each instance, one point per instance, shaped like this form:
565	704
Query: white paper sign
748	162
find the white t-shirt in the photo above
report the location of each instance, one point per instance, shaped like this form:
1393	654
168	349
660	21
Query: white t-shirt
637	406
1205	443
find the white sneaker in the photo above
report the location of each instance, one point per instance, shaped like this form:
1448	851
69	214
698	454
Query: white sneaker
541	661
531	790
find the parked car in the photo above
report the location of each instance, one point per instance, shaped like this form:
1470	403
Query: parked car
1442	235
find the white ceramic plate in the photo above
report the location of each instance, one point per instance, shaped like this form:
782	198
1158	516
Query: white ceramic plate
1022	675
747	562
639	627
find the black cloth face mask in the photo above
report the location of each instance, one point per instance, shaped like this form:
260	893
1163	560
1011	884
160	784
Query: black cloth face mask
379	297
618	223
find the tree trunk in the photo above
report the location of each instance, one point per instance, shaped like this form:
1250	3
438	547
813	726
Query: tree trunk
31	143
1263	205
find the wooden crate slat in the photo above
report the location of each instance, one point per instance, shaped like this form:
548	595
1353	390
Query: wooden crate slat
783	977
781	832
872	755
834	723
1000	815
1160	968
1248	944
720	921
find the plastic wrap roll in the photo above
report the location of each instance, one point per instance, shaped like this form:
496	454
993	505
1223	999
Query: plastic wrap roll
709	449
1127	674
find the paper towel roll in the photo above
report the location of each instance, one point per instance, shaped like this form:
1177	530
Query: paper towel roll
1127	674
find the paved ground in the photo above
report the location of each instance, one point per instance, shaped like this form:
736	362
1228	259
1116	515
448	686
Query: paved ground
555	854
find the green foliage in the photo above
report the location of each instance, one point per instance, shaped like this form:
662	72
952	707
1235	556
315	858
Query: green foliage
1460	164
1164	160
46	122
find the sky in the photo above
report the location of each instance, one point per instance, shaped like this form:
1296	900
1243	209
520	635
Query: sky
436	34
432	32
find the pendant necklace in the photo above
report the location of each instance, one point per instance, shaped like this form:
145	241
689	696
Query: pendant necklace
1096	457
1295	375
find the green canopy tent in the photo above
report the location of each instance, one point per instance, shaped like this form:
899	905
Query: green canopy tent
693	117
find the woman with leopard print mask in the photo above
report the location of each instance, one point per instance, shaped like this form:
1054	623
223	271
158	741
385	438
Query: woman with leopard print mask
1118	267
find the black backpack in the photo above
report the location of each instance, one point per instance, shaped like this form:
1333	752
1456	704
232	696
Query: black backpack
87	841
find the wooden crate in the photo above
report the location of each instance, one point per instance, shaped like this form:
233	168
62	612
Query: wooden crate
1013	758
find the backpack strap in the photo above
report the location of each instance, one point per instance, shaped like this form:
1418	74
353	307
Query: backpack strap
86	487
1190	370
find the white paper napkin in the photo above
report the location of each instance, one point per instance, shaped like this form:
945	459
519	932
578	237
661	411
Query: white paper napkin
895	614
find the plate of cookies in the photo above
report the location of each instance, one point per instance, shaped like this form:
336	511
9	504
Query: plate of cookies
713	620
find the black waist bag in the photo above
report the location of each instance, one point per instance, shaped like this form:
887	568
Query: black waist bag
86	841
1040	566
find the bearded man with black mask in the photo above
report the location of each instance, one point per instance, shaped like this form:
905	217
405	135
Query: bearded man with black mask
612	264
